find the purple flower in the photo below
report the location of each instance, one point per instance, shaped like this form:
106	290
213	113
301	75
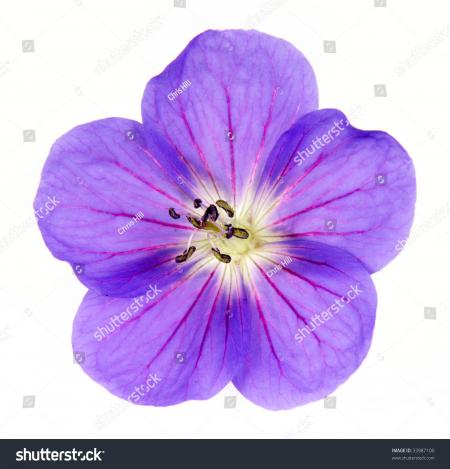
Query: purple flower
232	235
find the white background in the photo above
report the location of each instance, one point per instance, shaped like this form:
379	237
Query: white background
91	60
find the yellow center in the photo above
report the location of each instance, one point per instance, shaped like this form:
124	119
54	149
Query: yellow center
238	248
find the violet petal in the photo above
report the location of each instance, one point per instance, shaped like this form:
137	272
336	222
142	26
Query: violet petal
342	186
181	336
111	221
223	103
303	343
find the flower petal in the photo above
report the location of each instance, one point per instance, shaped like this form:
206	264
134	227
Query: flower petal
182	337
223	103
310	321
343	186
109	216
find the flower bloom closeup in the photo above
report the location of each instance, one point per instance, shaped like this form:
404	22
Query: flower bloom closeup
230	236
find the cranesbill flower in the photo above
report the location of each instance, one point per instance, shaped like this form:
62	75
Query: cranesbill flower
230	236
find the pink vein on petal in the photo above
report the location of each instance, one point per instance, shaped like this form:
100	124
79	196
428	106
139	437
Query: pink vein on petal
283	297
264	135
231	146
129	215
313	207
184	318
266	329
199	150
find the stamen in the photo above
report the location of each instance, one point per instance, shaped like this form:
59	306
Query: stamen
186	255
210	213
214	231
229	231
225	258
237	232
240	233
173	213
226	206
211	242
209	226
190	240
195	222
